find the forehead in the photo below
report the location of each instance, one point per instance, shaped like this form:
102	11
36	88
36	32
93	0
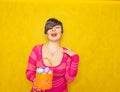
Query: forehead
57	26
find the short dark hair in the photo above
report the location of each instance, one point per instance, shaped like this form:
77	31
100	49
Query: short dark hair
51	23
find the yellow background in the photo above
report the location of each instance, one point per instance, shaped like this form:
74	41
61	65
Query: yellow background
91	29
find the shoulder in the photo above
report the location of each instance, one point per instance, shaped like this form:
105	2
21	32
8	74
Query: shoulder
64	48
70	53
37	47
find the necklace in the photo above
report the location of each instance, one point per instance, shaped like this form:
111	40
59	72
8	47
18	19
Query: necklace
51	52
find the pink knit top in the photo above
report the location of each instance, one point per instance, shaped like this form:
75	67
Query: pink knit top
64	73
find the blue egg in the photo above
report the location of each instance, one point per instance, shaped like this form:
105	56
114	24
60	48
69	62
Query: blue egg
39	70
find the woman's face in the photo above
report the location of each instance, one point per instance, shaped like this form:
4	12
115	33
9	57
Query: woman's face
55	33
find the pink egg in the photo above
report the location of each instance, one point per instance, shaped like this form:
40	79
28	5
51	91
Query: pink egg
46	70
50	72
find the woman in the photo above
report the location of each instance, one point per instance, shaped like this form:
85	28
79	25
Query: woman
64	60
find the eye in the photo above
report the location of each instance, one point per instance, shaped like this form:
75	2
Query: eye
58	27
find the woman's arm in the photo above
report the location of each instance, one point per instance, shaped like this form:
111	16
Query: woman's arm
31	68
72	65
72	68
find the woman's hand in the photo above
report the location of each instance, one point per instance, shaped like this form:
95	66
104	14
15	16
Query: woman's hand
69	52
34	85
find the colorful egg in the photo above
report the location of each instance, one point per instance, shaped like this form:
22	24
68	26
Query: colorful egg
50	72
39	70
47	69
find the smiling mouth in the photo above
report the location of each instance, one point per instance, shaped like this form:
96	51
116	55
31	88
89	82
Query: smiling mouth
54	34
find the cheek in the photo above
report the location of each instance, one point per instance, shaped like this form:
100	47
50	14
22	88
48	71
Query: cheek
59	30
60	33
48	33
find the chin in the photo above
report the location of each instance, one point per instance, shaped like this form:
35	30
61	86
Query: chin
55	39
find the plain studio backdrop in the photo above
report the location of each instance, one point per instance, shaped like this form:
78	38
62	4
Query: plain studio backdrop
91	29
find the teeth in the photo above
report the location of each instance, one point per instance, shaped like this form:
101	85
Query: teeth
54	34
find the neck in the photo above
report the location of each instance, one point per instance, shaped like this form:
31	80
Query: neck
52	47
52	44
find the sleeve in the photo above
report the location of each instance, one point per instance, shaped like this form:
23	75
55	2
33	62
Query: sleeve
31	67
72	68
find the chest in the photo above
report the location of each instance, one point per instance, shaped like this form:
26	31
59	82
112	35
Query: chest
54	59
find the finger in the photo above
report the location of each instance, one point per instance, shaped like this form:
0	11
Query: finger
38	89
34	83
67	49
33	79
64	51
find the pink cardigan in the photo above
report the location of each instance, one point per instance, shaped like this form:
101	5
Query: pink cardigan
65	72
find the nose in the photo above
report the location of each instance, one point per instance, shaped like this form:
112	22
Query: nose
53	29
